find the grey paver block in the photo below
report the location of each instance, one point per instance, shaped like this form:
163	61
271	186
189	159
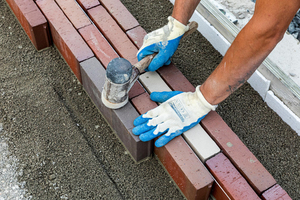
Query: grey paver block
121	120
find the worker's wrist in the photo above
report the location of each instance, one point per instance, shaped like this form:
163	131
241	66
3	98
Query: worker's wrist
180	19
203	100
177	26
208	95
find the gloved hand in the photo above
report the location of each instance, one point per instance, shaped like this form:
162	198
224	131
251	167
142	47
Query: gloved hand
163	41
179	112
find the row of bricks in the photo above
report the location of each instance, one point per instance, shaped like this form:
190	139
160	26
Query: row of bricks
95	40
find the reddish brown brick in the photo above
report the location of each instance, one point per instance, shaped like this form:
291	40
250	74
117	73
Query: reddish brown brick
243	159
121	120
14	7
113	33
142	103
33	22
218	192
74	13
175	79
136	90
137	35
120	13
275	193
87	4
26	6
185	168
65	37
102	49
230	179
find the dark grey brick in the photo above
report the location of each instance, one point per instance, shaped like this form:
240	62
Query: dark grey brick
121	120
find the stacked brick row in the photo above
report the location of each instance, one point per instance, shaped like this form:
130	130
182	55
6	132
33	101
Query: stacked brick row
89	34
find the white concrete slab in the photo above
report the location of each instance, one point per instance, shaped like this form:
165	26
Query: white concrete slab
259	83
153	82
283	111
202	144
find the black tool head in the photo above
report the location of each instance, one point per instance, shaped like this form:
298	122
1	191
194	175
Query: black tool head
119	70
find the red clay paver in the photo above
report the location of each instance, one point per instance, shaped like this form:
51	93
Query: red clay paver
87	4
230	179
113	33
137	35
142	103
121	120
74	13
242	158
218	192
33	22
185	168
65	37
120	13
175	79
136	90
101	48
275	193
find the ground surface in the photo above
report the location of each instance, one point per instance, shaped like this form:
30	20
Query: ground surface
55	144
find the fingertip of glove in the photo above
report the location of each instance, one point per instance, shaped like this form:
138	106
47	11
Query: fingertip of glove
136	122
144	138
168	62
135	131
163	96
160	143
139	120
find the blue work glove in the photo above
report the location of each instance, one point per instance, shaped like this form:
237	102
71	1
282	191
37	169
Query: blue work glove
179	112
163	41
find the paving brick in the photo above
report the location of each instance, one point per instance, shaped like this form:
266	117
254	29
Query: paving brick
185	168
26	6
96	41
201	142
113	33
137	35
175	79
136	90
196	137
218	192
120	13
14	7
74	13
230	179
65	37
143	103
153	82
275	193
33	22
87	4
121	120
243	159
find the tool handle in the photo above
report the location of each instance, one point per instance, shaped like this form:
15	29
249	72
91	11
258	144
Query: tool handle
145	62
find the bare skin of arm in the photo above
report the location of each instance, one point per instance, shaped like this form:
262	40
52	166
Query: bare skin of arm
249	49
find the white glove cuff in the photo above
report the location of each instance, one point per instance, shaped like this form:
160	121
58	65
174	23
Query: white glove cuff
203	100
180	28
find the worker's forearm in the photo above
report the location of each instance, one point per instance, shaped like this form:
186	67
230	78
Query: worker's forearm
184	9
249	49
237	66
